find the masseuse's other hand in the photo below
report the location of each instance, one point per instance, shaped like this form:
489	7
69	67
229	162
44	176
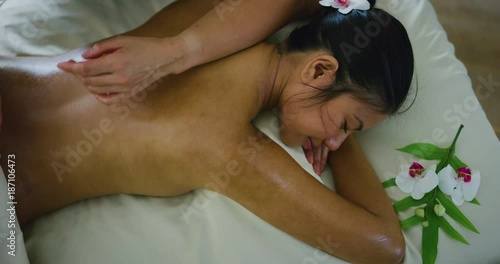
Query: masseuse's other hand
122	66
316	155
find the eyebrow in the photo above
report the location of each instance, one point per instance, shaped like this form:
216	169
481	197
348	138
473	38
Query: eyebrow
360	124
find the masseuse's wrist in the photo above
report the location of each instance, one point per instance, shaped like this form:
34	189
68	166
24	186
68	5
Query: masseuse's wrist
185	53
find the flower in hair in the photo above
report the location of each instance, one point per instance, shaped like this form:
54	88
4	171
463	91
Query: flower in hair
346	6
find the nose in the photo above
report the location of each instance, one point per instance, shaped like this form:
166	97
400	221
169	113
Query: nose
333	143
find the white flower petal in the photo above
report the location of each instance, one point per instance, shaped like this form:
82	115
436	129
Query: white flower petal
404	174
336	5
447	181
352	4
457	196
470	188
428	182
345	10
405	183
359	4
432	168
417	194
327	2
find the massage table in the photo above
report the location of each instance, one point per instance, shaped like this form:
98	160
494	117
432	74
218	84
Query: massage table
205	227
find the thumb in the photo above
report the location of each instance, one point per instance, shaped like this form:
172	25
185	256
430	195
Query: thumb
66	65
102	48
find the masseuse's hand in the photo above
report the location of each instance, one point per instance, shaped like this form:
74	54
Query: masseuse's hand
317	155
123	66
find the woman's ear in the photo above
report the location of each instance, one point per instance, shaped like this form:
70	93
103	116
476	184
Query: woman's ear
321	71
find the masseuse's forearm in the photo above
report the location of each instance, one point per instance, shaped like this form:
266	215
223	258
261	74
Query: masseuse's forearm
202	32
173	19
237	24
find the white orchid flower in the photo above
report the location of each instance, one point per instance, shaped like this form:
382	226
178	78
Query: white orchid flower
416	180
346	6
461	186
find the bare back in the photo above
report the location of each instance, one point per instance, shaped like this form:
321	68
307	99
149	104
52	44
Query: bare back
70	147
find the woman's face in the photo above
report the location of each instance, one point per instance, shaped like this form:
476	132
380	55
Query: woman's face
329	124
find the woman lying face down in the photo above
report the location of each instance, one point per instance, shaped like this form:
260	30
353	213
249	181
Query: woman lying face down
194	131
366	79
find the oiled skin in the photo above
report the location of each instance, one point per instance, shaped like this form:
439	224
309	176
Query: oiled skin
163	145
189	128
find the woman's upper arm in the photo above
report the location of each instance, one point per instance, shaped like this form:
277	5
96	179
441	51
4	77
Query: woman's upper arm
274	187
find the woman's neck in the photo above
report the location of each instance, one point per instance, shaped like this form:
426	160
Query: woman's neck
270	93
267	69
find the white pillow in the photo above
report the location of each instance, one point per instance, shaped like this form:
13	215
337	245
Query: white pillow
51	27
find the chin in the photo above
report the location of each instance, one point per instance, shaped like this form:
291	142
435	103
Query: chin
290	140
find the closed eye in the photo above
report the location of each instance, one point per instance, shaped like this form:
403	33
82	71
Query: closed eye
345	126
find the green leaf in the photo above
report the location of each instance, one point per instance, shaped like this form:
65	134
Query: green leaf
411	221
426	151
455	213
441	165
389	183
456	163
453	144
410	202
430	238
475	201
448	229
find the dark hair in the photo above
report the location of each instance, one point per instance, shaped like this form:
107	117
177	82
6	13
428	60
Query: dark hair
373	50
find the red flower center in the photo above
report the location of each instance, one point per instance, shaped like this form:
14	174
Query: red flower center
416	169
464	173
343	2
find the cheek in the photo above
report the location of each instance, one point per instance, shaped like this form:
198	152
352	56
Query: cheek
304	125
294	128
296	123
299	121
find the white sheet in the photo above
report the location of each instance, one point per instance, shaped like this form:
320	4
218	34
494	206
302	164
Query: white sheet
203	227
